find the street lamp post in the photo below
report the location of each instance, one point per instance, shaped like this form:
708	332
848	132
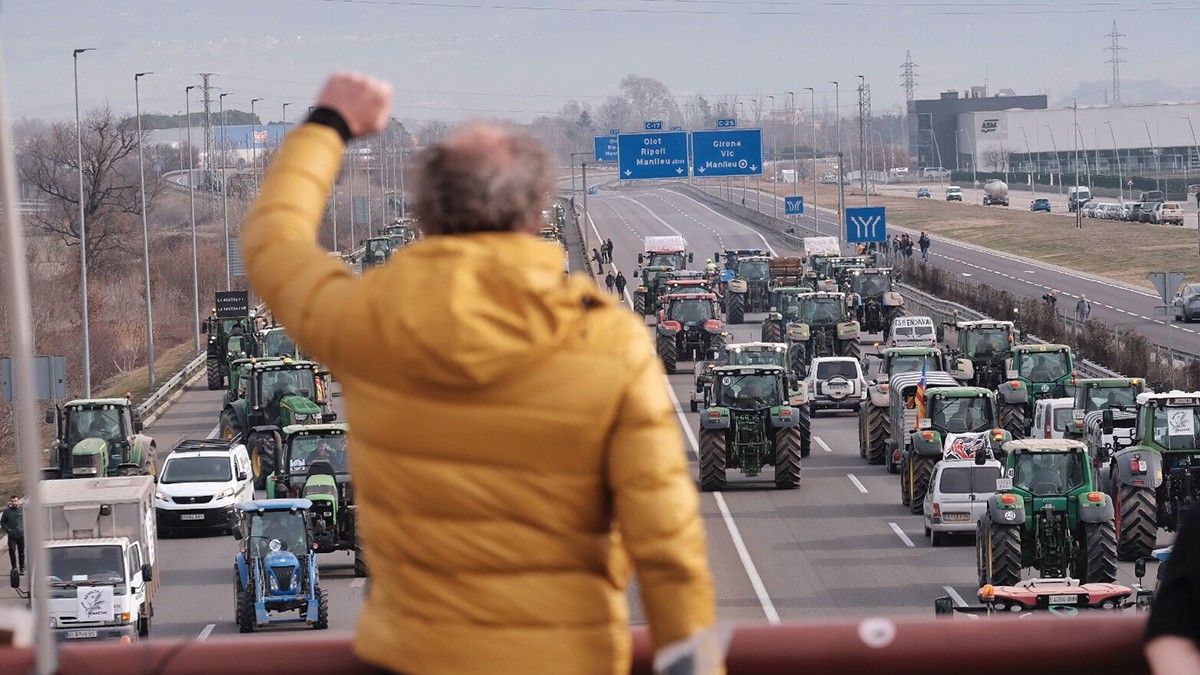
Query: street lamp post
254	143
774	157
285	105
137	108
837	113
1029	158
1057	163
187	94
862	139
1154	152
1117	155
795	158
225	190
83	279
1197	145
812	113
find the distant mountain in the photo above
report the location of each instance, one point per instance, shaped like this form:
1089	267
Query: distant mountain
1132	92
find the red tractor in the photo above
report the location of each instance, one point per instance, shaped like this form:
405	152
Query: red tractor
688	327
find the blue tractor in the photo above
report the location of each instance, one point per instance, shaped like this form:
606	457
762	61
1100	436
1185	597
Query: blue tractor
276	567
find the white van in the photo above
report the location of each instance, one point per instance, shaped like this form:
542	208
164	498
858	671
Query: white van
199	483
1052	416
912	331
958	496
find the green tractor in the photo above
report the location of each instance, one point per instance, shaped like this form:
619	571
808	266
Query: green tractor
230	331
1043	371
812	325
746	292
651	285
401	233
313	465
376	252
274	342
960	423
986	344
1156	478
271	394
1048	513
1095	395
99	437
873	418
751	423
875	300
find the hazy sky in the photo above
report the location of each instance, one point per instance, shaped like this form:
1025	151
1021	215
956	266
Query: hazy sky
481	58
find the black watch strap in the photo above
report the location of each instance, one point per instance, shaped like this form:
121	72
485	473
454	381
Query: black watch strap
332	119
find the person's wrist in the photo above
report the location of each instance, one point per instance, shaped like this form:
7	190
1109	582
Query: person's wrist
333	119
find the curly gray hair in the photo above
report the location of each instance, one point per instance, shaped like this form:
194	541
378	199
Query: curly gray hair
482	178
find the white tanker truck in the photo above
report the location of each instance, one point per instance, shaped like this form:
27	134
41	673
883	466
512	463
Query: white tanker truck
995	193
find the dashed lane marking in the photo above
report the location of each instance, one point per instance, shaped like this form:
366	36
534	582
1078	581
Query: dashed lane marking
857	483
205	632
958	599
900	533
821	442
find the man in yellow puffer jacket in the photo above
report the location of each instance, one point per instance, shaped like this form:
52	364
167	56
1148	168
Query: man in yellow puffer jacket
515	446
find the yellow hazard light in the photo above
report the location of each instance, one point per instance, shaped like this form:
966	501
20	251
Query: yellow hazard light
988	592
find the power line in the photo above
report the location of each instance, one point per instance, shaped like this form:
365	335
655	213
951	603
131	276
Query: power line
1115	47
908	76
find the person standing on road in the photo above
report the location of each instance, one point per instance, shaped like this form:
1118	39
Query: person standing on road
12	522
1051	300
620	282
608	250
598	260
1083	308
923	241
610	281
502	541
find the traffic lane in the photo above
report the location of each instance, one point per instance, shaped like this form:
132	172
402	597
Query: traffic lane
1115	304
706	225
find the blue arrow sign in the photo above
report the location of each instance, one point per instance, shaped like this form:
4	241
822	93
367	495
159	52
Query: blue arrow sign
793	206
865	224
732	152
660	154
653	125
726	122
606	148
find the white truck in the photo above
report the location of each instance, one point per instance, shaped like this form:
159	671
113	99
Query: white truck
103	565
821	246
995	193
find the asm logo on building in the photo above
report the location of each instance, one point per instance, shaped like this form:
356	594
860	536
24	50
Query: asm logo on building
989	126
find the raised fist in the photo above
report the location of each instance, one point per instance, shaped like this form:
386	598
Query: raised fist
364	102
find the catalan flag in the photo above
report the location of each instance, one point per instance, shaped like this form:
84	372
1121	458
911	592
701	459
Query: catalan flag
920	398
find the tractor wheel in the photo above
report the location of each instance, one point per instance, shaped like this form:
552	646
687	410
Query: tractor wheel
639	303
804	424
712	460
143	624
905	495
1136	522
667	351
862	431
1012	419
920	471
360	562
851	348
229	426
246	619
322	621
694	405
998	553
797	359
262	459
737	308
788	444
1098	554
216	379
772	331
877	433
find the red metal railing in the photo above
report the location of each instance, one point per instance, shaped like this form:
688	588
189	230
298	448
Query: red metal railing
1092	644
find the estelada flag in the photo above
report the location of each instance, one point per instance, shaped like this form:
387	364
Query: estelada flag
921	412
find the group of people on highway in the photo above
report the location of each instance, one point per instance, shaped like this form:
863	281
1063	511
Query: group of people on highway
903	245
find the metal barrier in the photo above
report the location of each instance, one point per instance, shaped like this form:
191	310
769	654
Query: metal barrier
1000	646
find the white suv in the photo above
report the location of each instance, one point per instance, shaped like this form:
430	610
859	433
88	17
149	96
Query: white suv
958	496
199	483
835	382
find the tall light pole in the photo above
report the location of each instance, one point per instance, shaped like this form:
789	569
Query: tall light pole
404	142
1197	145
795	158
1117	155
774	157
1078	206
1057	163
1154	152
137	108
1029	158
812	113
285	105
225	189
837	112
862	138
254	144
83	280
187	94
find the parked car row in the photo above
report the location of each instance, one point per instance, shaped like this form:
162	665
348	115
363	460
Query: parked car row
1161	213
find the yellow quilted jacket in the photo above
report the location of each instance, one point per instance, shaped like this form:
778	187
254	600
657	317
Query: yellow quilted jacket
514	445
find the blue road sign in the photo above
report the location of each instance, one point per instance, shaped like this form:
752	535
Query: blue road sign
653	125
660	154
606	148
793	206
726	122
731	152
865	224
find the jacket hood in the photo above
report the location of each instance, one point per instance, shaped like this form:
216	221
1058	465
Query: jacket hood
470	308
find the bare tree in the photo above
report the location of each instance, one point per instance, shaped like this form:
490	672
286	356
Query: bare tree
47	163
650	98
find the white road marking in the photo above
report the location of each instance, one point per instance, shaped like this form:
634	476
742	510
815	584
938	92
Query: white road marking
215	430
821	442
653	215
205	632
739	544
857	483
358	583
900	533
735	222
958	599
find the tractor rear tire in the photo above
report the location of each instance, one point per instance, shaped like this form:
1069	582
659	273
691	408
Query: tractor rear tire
360	562
712	460
639	304
877	433
262	459
246	619
1136	521
216	379
229	426
788	444
322	621
852	349
1012	419
863	411
804	424
737	308
921	470
1099	553
905	495
998	553
797	359
667	351
772	331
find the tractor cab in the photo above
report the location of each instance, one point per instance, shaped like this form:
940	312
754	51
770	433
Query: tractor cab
277	343
747	290
757	354
1046	370
1095	395
733	255
96	438
665	251
376	251
276	565
873	297
651	285
897	360
820	265
986	344
688	326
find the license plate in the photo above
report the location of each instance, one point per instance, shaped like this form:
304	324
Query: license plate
1063	599
956	516
81	634
191	516
1003	483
